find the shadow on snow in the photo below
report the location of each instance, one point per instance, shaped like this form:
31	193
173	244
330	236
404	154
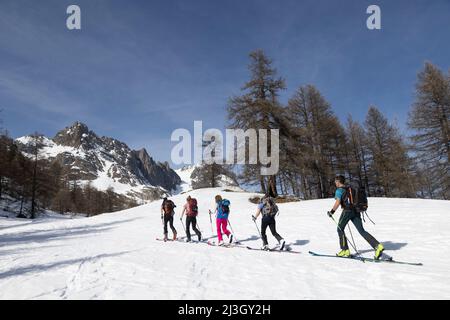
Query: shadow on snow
45	267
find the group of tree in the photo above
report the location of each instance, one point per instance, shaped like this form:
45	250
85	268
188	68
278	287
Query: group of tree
34	184
315	146
210	174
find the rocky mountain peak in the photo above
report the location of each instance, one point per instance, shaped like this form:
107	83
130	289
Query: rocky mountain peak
76	135
142	153
105	162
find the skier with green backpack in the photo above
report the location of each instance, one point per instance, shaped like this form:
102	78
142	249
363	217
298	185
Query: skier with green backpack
268	208
353	202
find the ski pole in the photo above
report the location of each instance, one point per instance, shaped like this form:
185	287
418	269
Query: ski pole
365	213
234	235
351	235
259	232
231	227
357	253
181	220
210	221
212	229
198	227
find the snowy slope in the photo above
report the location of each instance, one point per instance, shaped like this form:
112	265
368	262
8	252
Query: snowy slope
185	176
186	180
115	256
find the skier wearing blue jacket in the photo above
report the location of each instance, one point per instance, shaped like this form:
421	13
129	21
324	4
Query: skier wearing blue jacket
222	211
350	214
269	210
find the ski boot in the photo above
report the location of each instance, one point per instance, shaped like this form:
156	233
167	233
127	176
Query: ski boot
221	243
343	254
165	237
265	247
378	251
282	244
199	237
174	236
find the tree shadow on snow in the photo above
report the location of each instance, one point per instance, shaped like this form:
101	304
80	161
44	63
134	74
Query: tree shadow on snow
45	267
300	242
252	238
209	238
389	246
23	250
55	234
28	222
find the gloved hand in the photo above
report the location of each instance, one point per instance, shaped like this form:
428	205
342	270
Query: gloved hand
330	213
253	218
162	216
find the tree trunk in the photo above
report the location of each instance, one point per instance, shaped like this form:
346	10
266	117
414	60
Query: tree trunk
366	179
281	185
213	176
307	187
33	194
273	186
21	205
263	185
293	186
319	184
445	132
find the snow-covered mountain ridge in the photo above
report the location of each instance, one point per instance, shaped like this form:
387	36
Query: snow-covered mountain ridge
105	162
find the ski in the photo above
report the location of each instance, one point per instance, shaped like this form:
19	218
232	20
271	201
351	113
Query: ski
226	245
334	256
394	261
275	250
214	244
364	259
170	240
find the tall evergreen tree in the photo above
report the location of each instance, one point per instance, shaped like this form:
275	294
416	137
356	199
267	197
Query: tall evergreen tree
321	138
389	171
430	118
37	144
258	108
358	150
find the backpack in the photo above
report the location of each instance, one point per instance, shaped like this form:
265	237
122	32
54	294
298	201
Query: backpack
192	208
168	206
225	205
269	207
355	199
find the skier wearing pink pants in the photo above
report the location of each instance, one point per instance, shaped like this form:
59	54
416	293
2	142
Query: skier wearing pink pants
222	211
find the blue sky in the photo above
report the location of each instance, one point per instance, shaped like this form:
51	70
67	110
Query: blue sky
140	69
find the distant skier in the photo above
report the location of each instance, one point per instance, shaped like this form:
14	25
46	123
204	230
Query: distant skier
268	208
222	211
162	204
167	213
191	210
344	199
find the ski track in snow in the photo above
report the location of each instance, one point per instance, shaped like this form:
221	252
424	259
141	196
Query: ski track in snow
115	256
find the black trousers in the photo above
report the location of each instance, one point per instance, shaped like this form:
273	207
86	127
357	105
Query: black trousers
268	221
354	217
168	218
193	221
